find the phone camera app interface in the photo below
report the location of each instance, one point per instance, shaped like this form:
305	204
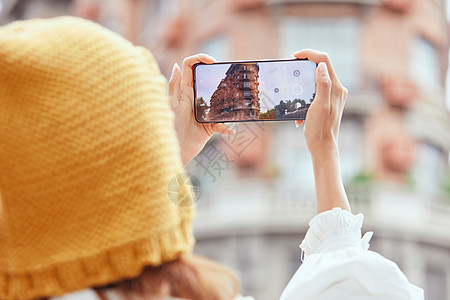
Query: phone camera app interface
254	91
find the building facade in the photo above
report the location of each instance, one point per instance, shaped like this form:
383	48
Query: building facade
237	95
258	188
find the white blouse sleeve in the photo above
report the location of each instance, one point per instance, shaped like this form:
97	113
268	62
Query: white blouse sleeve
338	265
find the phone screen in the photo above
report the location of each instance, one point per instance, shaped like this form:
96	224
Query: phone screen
254	90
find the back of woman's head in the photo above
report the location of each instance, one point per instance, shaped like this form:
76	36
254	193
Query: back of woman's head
189	277
88	148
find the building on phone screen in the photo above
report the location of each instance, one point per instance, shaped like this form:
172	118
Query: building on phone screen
237	95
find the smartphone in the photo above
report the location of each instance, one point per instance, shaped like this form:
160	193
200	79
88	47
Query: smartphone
259	90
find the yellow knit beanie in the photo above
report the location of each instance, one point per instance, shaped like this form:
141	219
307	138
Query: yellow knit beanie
87	150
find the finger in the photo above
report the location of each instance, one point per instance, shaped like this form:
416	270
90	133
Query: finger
298	123
344	94
323	87
343	99
188	64
222	129
318	57
174	86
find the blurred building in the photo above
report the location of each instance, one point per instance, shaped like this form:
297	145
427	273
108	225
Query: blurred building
236	96
257	186
258	189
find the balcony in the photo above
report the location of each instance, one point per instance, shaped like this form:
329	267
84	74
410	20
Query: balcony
245	106
269	208
366	2
254	4
246	85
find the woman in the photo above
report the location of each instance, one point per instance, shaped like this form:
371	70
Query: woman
88	148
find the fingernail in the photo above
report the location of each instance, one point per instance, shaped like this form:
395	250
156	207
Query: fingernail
210	57
322	69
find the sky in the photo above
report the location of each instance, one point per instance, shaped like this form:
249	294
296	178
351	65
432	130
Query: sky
284	80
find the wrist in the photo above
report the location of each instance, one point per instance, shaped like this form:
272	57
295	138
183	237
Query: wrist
330	190
325	154
186	156
185	161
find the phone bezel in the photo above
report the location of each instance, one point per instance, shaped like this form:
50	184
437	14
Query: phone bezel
234	62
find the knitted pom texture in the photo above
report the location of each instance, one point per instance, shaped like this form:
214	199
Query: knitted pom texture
87	151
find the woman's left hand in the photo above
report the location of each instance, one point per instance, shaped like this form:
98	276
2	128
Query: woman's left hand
191	134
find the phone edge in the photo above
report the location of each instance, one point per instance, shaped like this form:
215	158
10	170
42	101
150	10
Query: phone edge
243	61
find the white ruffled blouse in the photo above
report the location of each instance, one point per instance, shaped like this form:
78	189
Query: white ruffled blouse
337	265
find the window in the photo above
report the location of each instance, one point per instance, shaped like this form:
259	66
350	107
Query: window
429	168
246	76
217	46
442	5
352	142
237	95
166	10
200	3
247	84
424	67
247	94
337	36
435	283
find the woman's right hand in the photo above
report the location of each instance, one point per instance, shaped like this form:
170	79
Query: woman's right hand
324	115
322	130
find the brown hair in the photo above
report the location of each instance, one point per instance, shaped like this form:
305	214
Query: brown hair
189	277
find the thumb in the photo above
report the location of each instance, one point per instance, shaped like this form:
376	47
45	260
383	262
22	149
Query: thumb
323	85
174	87
222	129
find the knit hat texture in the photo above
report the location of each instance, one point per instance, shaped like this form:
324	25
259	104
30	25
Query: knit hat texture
87	151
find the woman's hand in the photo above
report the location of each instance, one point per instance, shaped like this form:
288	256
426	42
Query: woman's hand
192	135
322	130
324	115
